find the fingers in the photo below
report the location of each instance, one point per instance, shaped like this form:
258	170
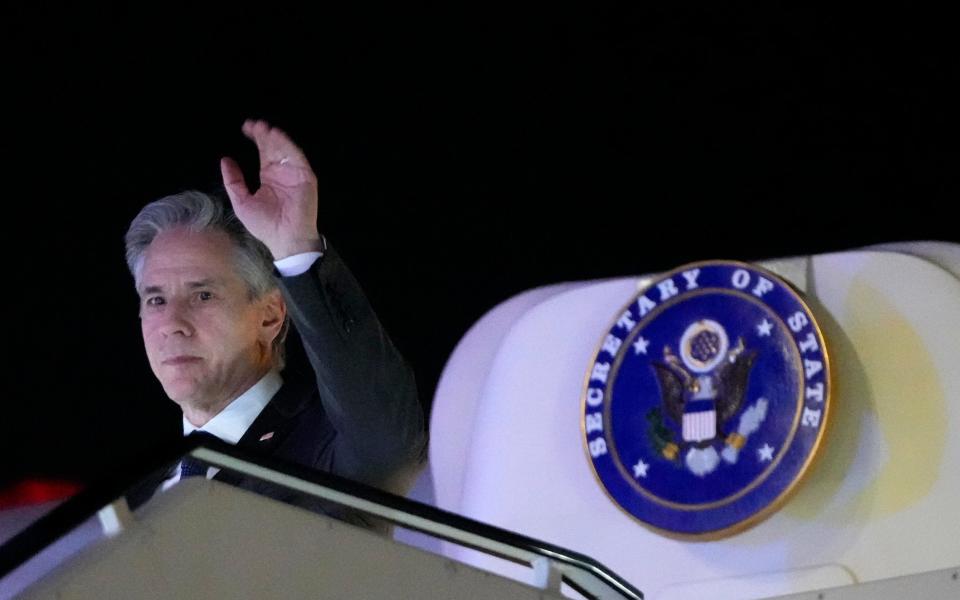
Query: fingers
255	129
233	180
274	145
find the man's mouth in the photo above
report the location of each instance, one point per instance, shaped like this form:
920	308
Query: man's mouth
181	360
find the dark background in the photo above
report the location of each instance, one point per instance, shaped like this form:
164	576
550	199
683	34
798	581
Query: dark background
465	154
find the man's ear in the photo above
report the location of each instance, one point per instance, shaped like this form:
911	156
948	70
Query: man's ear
273	312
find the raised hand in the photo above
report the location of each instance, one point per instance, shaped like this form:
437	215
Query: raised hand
283	212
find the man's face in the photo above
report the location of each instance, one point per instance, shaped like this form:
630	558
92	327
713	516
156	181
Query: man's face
206	341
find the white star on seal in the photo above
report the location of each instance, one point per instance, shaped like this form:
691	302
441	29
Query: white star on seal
640	469
763	329
640	346
765	453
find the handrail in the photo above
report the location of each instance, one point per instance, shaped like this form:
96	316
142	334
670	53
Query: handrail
580	572
73	512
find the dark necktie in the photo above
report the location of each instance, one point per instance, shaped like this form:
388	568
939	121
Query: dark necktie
190	466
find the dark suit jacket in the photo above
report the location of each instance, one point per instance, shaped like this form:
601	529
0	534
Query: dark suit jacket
357	413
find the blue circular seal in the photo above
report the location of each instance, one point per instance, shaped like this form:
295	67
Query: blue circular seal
707	399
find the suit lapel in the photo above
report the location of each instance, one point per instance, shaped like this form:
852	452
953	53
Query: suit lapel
274	423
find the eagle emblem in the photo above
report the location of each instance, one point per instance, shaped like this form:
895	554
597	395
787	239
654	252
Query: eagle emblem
706	399
700	392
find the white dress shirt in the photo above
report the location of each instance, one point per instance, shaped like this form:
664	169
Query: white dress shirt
233	421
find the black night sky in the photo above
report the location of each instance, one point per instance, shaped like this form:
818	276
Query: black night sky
465	154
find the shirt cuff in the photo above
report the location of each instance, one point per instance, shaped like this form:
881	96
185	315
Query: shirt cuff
296	264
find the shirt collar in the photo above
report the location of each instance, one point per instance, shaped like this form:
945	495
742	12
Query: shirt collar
233	421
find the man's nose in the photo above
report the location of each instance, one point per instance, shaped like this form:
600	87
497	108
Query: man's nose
176	320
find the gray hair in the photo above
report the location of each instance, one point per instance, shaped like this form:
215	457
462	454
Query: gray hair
198	211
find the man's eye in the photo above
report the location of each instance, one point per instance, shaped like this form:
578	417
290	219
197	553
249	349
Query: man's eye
205	296
154	301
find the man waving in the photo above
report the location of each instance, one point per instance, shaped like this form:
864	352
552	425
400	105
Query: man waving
218	289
